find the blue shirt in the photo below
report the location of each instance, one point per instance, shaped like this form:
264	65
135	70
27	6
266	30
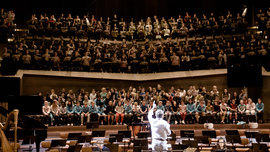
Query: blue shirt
100	110
93	109
70	109
128	108
77	109
85	109
191	108
200	108
259	107
99	102
160	107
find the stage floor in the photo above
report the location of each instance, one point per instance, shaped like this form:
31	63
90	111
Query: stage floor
54	131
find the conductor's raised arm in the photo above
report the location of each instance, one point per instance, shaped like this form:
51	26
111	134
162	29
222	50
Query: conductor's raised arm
150	113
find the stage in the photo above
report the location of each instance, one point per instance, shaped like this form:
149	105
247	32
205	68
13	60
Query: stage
54	131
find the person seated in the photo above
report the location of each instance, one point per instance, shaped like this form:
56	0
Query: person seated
119	109
160	106
128	111
46	110
93	109
77	113
223	111
216	110
63	113
100	146
101	113
168	111
136	112
183	111
233	110
176	116
250	107
85	113
110	112
55	112
209	108
259	110
143	109
241	109
191	109
70	112
200	110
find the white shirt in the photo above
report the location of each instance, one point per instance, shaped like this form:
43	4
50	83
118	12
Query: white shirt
92	96
160	128
250	106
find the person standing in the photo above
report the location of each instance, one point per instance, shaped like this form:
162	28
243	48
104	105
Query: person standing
160	129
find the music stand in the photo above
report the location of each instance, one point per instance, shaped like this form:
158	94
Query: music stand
233	139
74	136
116	138
260	147
140	142
251	134
92	124
187	133
232	132
126	133
202	139
56	143
190	143
144	134
139	148
85	138
262	138
98	133
209	133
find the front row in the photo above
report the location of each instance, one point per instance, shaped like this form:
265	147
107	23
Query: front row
174	114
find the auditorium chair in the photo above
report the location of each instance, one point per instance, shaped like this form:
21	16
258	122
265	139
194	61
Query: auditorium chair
64	135
215	140
241	132
46	144
244	142
204	143
86	149
265	132
72	142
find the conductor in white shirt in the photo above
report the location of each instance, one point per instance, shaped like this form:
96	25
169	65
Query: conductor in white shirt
160	129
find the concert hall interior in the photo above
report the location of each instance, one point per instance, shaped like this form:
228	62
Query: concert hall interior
135	76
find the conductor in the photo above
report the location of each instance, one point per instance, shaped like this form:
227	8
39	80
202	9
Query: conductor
160	129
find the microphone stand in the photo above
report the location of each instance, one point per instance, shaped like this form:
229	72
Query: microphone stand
248	125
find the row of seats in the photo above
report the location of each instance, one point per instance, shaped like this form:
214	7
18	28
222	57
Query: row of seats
201	142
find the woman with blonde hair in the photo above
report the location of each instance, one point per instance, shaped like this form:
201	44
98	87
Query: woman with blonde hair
56	112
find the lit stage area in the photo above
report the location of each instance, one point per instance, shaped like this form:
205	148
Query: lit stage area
71	134
136	136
